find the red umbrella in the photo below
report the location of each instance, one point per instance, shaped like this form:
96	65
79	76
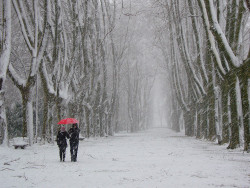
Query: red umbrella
68	121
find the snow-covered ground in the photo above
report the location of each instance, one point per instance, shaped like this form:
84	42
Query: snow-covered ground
155	158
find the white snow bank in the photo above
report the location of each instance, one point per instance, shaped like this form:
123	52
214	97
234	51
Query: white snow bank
20	141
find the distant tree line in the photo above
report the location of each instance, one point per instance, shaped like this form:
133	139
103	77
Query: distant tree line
209	61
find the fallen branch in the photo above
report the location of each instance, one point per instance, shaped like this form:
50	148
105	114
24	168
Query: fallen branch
7	169
22	177
91	156
8	163
34	166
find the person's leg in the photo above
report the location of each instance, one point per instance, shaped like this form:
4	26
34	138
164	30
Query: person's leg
76	150
72	151
63	154
60	153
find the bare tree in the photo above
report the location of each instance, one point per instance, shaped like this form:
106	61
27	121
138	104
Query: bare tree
5	49
212	74
33	35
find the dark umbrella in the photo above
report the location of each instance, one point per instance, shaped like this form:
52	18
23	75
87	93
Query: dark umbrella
68	121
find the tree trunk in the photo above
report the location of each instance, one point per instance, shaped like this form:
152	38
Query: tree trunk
234	141
225	121
245	80
5	48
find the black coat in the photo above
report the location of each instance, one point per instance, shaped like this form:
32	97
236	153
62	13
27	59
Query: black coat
62	139
74	135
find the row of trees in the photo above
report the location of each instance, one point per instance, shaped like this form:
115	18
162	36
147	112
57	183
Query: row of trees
89	60
66	59
209	59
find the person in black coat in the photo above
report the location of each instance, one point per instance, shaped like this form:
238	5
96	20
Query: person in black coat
61	139
74	141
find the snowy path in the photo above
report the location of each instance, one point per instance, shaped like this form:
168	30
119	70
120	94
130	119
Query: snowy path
155	158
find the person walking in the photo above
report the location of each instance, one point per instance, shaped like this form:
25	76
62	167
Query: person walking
61	139
74	141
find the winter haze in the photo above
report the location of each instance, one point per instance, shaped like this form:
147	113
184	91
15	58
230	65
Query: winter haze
159	91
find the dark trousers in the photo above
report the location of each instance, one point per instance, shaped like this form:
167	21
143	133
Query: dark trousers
73	151
62	151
